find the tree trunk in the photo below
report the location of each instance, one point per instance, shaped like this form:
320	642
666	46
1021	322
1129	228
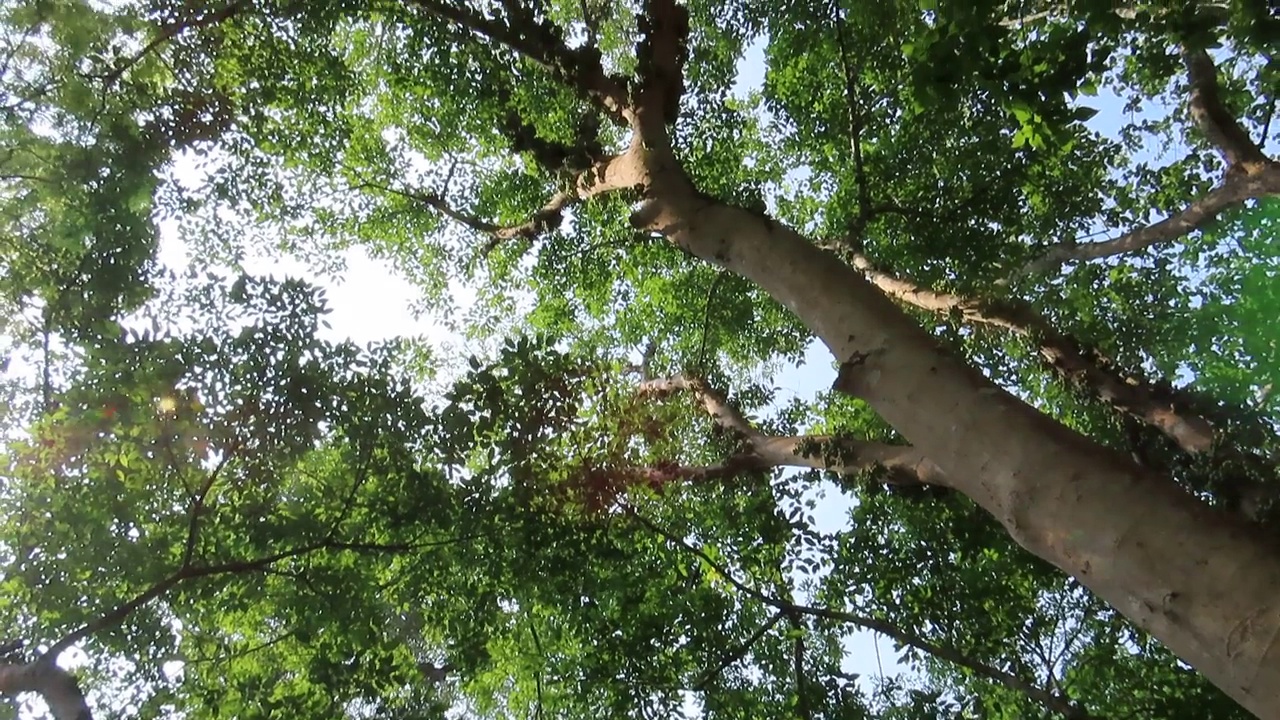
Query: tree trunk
1198	580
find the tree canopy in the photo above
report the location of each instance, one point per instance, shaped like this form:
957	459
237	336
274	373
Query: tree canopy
1036	241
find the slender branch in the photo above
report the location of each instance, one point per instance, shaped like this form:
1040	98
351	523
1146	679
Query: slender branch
1061	10
590	23
1250	174
1052	701
597	180
168	33
433	201
1069	358
738	652
362	474
118	614
542	656
233	655
1027	19
198	505
547	218
1266	124
855	128
115	616
1048	699
706	320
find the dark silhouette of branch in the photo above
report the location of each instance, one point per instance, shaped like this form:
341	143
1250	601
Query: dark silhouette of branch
57	687
542	42
198	505
171	31
587	184
542	656
797	660
1050	700
855	127
738	652
241	653
546	218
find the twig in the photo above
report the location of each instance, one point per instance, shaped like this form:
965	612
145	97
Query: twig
738	652
706	321
169	32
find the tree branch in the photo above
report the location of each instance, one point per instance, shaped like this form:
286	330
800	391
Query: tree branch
1235	189
1084	368
187	572
715	403
1049	700
600	179
57	687
543	43
198	504
855	128
739	652
1219	125
548	217
838	454
169	32
1250	174
661	55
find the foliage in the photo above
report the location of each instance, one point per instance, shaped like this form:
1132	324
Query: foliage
218	512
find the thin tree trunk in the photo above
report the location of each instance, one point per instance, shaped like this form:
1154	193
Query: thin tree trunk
1193	577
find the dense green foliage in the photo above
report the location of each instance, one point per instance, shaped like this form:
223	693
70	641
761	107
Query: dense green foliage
222	512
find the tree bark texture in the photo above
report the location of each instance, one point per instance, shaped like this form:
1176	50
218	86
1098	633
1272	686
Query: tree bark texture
1198	580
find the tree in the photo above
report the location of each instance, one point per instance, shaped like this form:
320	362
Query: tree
897	191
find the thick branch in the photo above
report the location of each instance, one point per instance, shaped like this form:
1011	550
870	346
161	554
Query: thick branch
1219	126
1066	356
661	55
849	456
838	454
713	401
1234	190
57	687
